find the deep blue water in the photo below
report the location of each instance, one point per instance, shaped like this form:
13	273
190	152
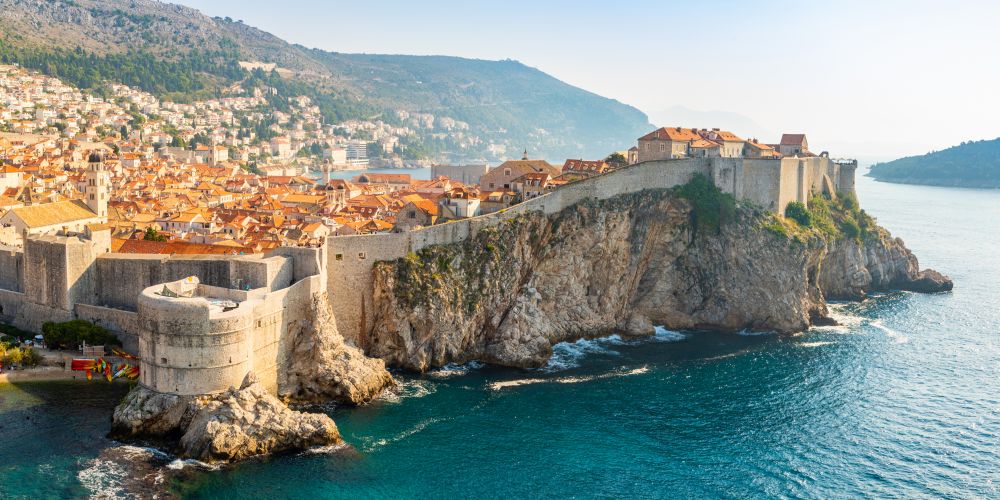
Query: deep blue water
902	401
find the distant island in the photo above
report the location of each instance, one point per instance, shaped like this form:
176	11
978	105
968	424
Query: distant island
971	164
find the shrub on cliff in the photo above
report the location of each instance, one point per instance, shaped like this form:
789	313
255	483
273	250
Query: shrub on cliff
798	212
72	334
710	206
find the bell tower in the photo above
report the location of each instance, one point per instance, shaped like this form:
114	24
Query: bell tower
98	191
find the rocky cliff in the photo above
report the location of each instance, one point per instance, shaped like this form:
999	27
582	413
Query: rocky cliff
506	295
319	366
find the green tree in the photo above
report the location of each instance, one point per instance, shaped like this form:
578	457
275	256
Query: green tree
616	160
798	212
152	234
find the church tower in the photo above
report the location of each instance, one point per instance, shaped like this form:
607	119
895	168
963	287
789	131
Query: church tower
98	191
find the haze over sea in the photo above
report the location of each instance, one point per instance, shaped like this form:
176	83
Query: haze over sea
902	400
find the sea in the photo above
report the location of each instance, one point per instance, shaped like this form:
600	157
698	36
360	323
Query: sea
901	400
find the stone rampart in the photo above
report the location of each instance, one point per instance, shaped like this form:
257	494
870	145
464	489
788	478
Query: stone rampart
189	346
122	277
124	324
769	183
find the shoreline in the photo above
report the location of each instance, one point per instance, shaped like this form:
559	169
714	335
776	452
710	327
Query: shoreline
42	374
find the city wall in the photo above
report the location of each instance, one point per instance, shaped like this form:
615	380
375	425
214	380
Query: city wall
768	183
188	346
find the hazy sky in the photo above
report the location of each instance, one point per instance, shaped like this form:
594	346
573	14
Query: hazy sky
864	78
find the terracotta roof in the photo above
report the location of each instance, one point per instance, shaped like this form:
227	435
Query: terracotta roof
51	214
672	134
792	139
177	247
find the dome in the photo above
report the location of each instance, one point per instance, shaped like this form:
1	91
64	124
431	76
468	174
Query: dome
95	157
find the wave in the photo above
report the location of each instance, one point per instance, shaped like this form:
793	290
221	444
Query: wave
813	344
407	389
374	444
182	463
566	355
103	479
664	335
621	372
455	369
896	336
120	469
326	450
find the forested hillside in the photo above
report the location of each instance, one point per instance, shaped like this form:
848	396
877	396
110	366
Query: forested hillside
178	54
970	164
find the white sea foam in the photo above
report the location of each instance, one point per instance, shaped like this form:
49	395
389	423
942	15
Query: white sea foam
664	335
496	386
567	355
621	372
326	450
813	344
847	322
407	389
897	337
374	444
182	463
103	478
454	369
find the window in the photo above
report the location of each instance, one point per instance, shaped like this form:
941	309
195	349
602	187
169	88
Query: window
492	186
340	256
506	172
663	147
413	214
361	255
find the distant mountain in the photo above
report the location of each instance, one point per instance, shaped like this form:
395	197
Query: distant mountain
970	164
177	53
741	125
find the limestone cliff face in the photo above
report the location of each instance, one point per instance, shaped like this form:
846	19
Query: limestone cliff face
506	295
236	424
319	366
851	269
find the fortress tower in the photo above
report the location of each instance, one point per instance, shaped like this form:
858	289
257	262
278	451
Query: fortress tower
98	189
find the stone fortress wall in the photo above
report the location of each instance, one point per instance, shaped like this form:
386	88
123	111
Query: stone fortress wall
769	183
188	346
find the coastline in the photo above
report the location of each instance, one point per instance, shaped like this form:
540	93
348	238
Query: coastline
45	373
917	182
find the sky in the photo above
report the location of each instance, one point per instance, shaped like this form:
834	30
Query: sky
875	79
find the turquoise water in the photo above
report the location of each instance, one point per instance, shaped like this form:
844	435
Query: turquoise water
902	401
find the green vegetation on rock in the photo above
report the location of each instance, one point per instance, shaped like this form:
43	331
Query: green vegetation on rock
711	208
834	218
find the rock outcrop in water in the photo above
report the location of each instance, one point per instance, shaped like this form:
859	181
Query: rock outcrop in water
510	292
317	366
321	367
236	424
